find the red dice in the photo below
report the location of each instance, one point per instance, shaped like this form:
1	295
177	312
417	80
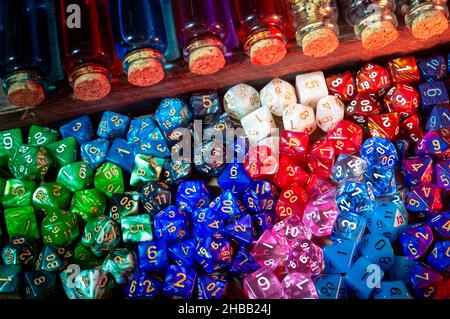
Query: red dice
292	201
403	99
373	79
411	128
361	107
290	174
342	86
384	125
346	138
404	70
294	145
320	158
261	163
316	186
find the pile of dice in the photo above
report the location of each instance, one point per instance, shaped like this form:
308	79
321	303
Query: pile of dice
349	200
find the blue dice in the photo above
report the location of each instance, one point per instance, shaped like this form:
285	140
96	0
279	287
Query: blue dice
243	264
121	153
330	286
416	239
432	93
402	268
241	231
378	250
148	138
228	207
260	197
263	221
363	277
392	290
155	197
439	257
183	253
192	195
205	103
339	257
348	226
441	224
206	221
234	179
381	180
176	171
347	167
113	125
143	286
433	68
379	151
171	225
94	152
81	129
425	281
214	253
180	282
439	118
211	286
355	197
153	256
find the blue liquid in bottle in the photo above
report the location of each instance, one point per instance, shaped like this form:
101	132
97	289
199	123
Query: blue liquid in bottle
173	51
140	39
24	53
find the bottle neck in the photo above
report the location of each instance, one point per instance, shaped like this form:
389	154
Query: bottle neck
142	55
86	69
206	42
318	39
24	88
255	37
21	76
375	20
419	9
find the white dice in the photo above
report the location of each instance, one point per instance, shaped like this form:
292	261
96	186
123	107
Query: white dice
311	87
329	112
299	118
258	124
277	95
241	100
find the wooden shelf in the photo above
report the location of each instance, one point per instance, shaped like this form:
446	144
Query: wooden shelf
124	97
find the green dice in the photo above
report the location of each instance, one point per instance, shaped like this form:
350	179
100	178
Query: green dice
137	228
109	179
101	235
29	162
63	152
60	228
18	193
146	169
10	279
53	258
41	136
22	221
10	141
123	205
85	258
75	176
88	204
120	264
51	196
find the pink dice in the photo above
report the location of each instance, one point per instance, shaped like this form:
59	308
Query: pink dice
263	284
306	258
290	231
299	286
267	251
321	214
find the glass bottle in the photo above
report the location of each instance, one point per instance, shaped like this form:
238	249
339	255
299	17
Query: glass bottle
173	50
315	24
201	32
425	18
24	53
374	21
261	30
231	39
88	47
140	39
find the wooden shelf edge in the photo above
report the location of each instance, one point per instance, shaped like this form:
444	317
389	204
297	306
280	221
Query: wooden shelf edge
180	81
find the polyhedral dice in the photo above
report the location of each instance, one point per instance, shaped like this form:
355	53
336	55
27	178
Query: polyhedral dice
93	284
108	179
330	286
241	231
205	103
362	107
261	163
241	100
402	99
342	86
403	70
13	274
75	176
347	167
206	221
424	198
10	141
122	154
136	228
299	118
214	253
94	152
243	264
176	171
320	158
215	129
290	174
41	136
292	201
433	68
381	180
29	162
267	251
355	197
124	205
416	239
209	158
339	257
294	145
85	258
379	151
441	224
392	290
60	228
112	125
234	179
263	284
101	235
433	143
418	170
192	195
317	186
290	231
346	137
143	286
88	204
20	251
80	128
306	258
146	169
153	256
39	284
147	137
120	263
50	196
277	95
63	152
260	197
211	286
320	214
21	221
402	268
384	125
373	79
264	221
298	286
348	226
329	112
432	93
439	257
411	128
183	253
52	258
425	281
439	118
378	250
179	282
155	197
18	193
171	225
363	277
259	124
311	87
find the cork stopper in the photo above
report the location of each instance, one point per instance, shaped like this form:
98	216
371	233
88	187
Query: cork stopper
429	24
91	87
206	60
267	51
26	93
319	42
378	35
145	72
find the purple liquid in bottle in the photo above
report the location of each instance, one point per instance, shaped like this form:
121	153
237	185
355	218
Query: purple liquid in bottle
231	40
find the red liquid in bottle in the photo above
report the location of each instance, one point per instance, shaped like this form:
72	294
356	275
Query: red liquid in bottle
261	30
88	47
